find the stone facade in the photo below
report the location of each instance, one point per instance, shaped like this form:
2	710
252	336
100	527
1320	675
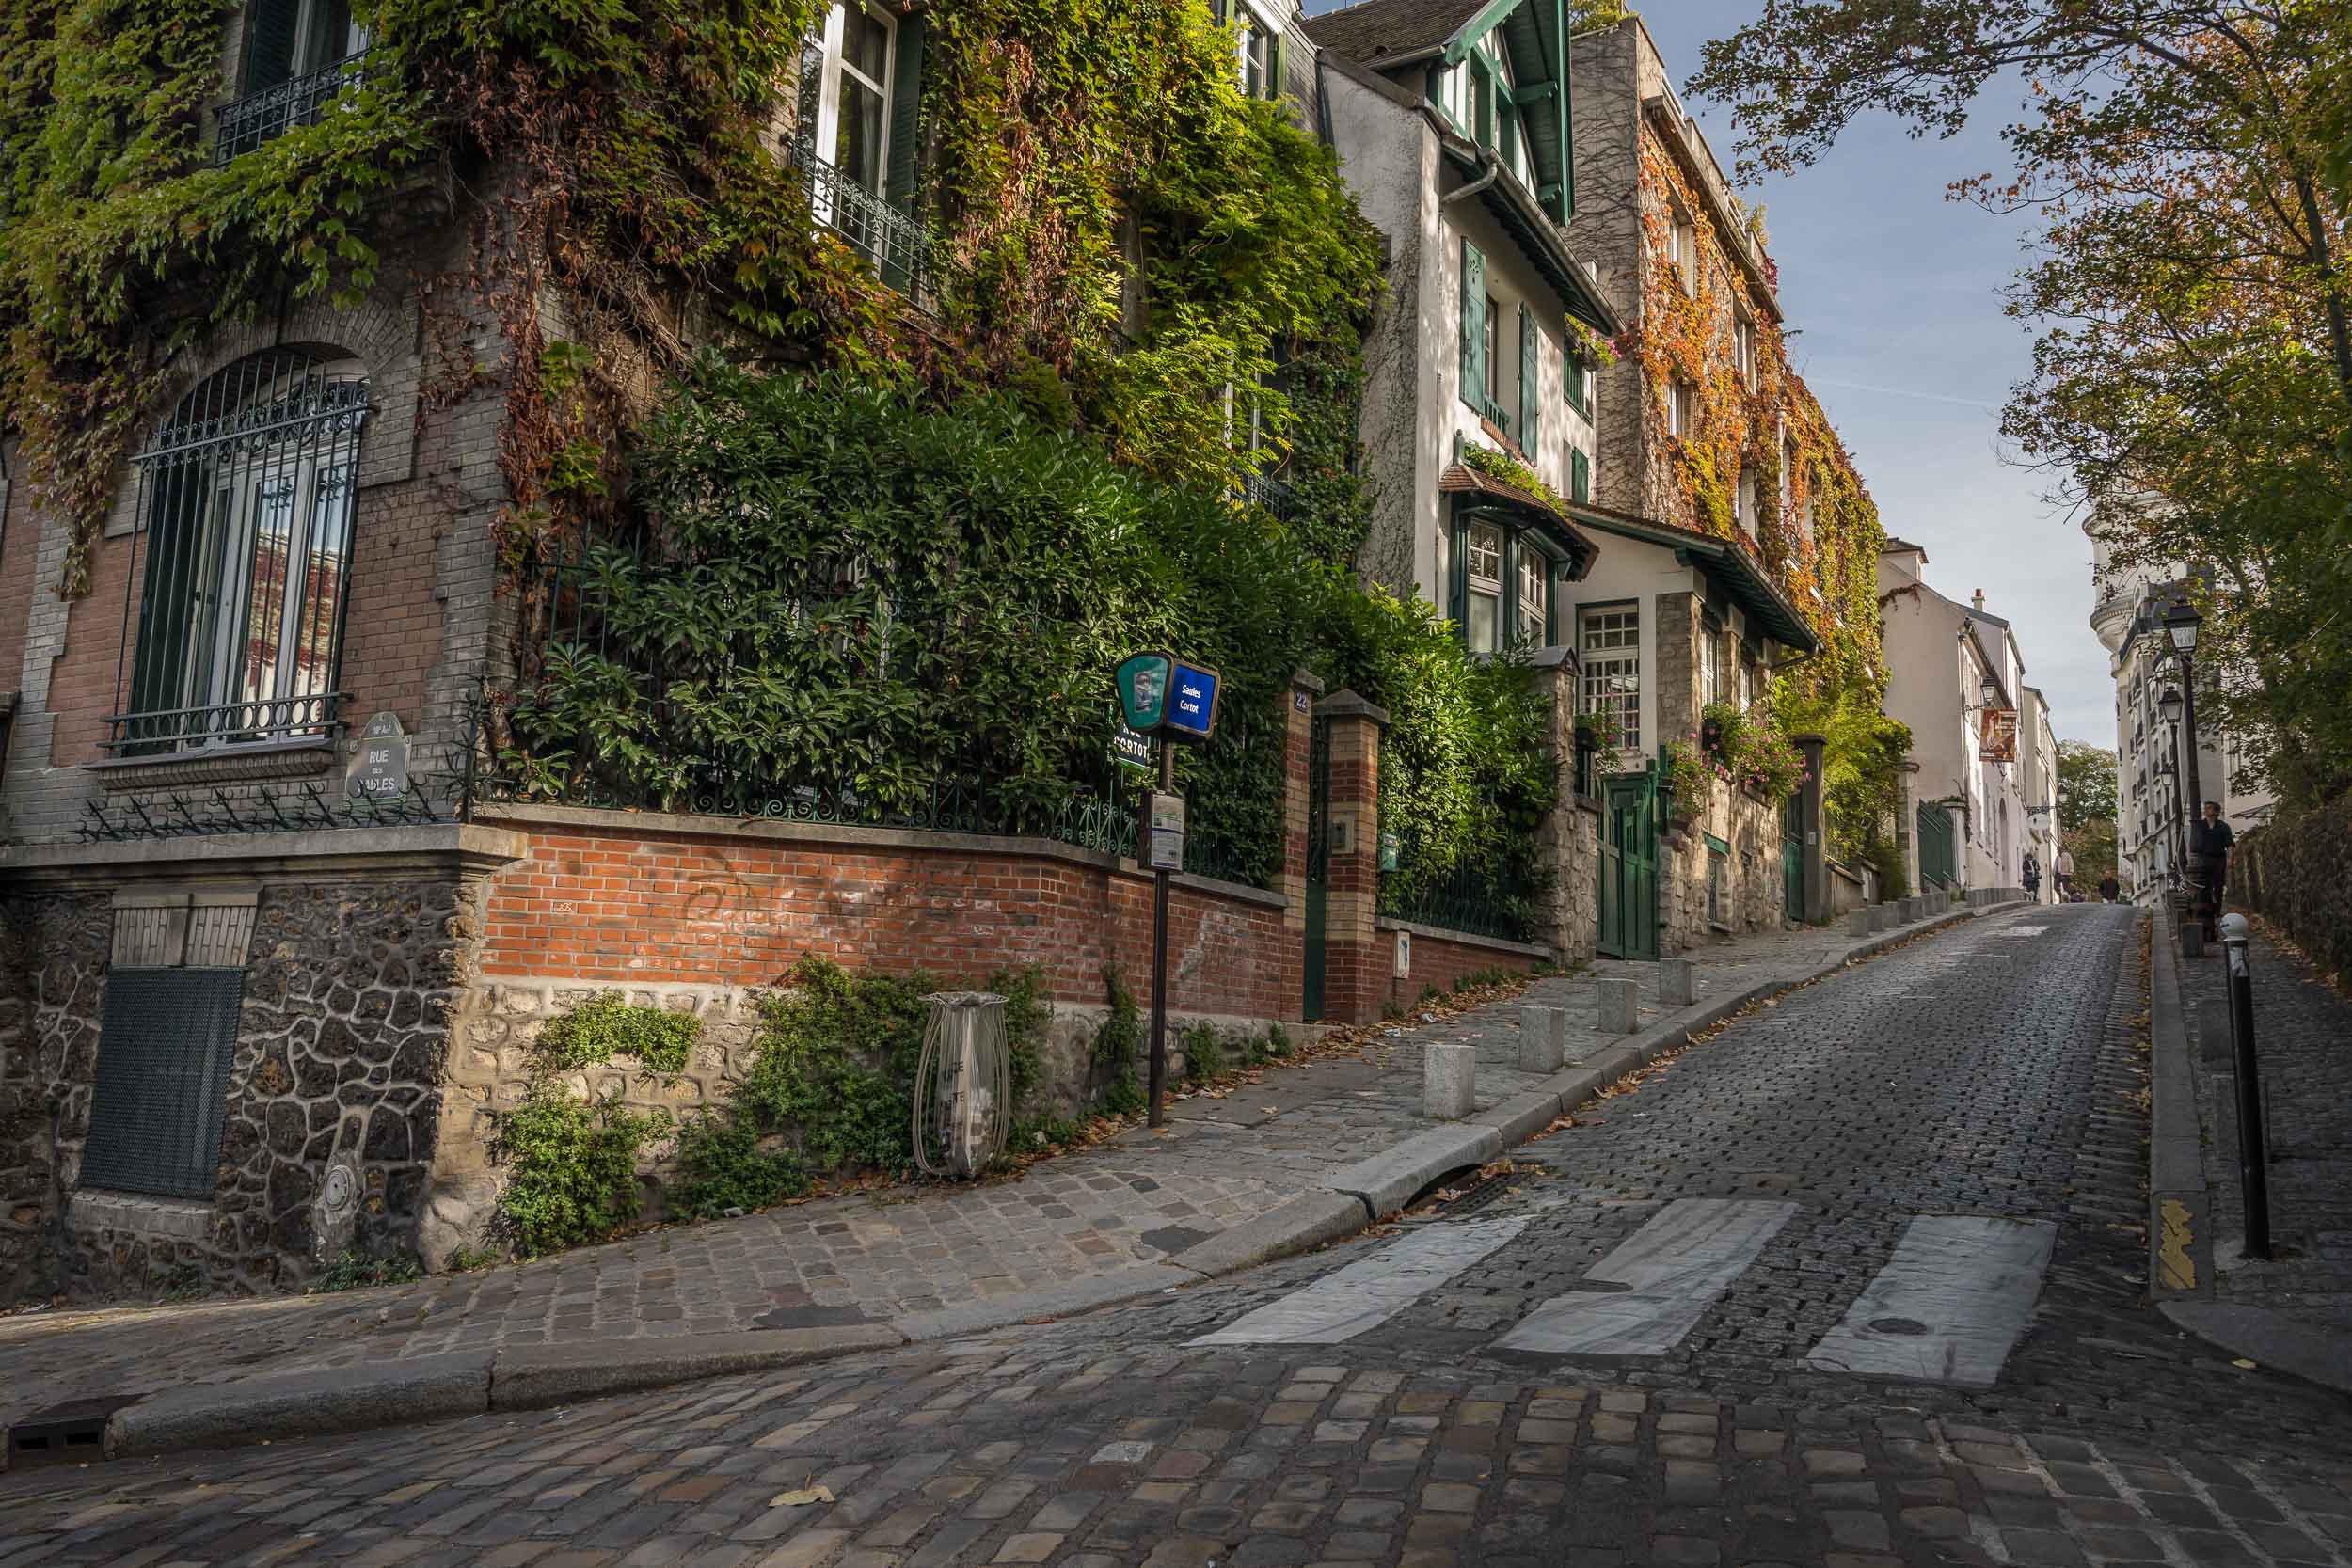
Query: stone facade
1753	896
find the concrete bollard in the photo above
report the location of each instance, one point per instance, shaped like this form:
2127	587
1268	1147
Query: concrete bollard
1878	917
1449	1084
1620	1006
1675	983
1543	1040
1912	911
1857	923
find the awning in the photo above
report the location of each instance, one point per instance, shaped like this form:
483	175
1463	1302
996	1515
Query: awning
1463	479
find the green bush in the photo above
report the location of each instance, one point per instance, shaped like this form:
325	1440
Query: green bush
607	1025
574	1167
1204	1054
1278	1042
721	1166
355	1271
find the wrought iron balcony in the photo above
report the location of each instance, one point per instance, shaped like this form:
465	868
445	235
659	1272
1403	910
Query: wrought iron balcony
266	116
190	728
1271	494
891	239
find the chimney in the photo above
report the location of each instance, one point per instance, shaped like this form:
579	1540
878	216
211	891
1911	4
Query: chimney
1979	601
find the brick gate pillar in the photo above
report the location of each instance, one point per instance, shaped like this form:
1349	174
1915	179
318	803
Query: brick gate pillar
1299	721
1354	971
1816	839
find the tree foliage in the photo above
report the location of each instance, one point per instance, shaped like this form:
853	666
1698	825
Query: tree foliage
2087	784
2192	387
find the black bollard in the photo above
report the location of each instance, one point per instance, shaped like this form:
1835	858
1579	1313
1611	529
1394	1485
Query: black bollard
2252	1157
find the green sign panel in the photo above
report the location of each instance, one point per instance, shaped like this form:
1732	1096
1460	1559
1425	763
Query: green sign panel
1143	687
1390	845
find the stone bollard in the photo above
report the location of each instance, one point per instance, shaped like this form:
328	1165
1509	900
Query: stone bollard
1878	917
1912	911
1857	923
1620	1006
1543	1040
1449	1083
1675	983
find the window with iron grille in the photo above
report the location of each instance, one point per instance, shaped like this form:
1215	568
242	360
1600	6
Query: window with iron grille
299	57
244	549
166	1038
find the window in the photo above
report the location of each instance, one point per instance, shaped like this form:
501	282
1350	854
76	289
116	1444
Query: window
854	136
1533	611
1572	373
1531	360
1718	878
1710	663
1482	85
1750	523
1494	356
1609	648
1681	408
299	55
1482	625
1743	345
1683	245
1751	676
1580	475
1260	50
245	514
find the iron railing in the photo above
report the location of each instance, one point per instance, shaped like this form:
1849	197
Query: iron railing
316	716
263	117
1272	495
1479	899
892	239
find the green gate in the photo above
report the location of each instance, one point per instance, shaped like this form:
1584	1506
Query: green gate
1939	865
1628	865
1792	859
1318	858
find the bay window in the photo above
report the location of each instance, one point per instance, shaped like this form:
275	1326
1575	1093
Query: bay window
1502	575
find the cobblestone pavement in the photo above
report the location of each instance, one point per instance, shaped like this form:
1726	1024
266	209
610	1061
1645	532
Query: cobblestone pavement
1993	1073
2303	1036
1136	1199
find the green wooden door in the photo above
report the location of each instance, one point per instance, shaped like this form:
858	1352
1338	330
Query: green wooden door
1629	866
1318	860
1938	864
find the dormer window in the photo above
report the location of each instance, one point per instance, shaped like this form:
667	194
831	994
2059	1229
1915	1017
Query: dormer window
299	57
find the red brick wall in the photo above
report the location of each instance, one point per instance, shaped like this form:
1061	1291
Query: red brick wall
21	542
1439	962
613	904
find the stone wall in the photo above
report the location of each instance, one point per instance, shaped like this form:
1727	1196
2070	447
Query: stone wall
1755	897
342	1036
2297	875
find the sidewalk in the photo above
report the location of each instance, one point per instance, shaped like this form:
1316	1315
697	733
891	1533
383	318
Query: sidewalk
1263	1169
2293	1312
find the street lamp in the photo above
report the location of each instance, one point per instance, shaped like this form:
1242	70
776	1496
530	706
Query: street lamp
2180	621
1990	690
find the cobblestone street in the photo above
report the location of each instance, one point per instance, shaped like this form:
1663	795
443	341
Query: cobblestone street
1641	1349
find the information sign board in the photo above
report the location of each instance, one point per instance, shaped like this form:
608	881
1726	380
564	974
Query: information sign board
1192	705
1143	685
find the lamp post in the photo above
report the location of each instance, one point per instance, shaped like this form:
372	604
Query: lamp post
2169	703
2180	621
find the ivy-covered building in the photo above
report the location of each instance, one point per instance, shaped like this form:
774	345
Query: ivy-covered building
294	519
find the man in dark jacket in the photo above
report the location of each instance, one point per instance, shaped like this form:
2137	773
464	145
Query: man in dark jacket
2108	888
2209	842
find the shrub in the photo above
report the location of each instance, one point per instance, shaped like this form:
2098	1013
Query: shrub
1278	1042
354	1270
574	1167
1204	1054
607	1025
721	1166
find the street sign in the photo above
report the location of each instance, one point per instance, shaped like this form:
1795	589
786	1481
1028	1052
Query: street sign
1143	685
379	769
1131	746
1192	708
1389	845
1996	740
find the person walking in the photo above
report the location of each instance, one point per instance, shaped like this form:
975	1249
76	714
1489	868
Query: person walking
2107	889
2032	876
2209	842
2064	868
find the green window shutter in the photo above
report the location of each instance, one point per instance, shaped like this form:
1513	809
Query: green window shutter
1580	475
1457	585
1531	407
1474	325
1274	66
1572	378
906	107
269	43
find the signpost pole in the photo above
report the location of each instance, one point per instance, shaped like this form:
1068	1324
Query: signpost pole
1159	957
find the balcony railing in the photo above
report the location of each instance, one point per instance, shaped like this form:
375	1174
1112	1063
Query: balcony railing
266	116
1270	494
891	239
195	729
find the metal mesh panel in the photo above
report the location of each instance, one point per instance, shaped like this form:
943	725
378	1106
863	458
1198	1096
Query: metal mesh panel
163	1080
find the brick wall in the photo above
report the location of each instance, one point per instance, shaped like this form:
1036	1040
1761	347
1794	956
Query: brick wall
1438	959
600	898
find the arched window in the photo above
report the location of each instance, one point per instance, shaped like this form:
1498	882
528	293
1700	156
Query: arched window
245	514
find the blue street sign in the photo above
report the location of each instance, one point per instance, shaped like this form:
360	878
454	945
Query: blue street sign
1192	702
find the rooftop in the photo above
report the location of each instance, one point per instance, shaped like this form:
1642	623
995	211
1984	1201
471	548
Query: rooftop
1383	32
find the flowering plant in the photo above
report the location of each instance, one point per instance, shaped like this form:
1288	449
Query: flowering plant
1747	747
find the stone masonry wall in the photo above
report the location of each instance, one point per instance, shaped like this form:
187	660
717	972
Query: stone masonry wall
1753	889
341	1037
2297	875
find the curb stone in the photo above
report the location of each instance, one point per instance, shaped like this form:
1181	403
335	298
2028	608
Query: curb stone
2270	1339
339	1400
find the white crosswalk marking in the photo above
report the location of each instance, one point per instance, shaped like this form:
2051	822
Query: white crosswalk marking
1366	1294
1674	1266
1950	1304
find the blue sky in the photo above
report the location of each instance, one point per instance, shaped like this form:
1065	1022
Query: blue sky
1893	296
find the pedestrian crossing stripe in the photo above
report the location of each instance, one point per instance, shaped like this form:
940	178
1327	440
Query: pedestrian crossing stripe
1674	1268
1948	1305
1369	1291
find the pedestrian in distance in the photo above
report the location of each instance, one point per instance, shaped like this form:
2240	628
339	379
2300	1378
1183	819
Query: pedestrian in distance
2209	842
2032	875
2064	870
2107	889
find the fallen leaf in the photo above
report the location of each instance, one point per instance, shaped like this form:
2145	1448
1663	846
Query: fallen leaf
2243	1365
802	1496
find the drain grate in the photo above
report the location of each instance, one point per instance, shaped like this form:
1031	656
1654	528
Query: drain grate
1480	1194
69	1433
1898	1325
